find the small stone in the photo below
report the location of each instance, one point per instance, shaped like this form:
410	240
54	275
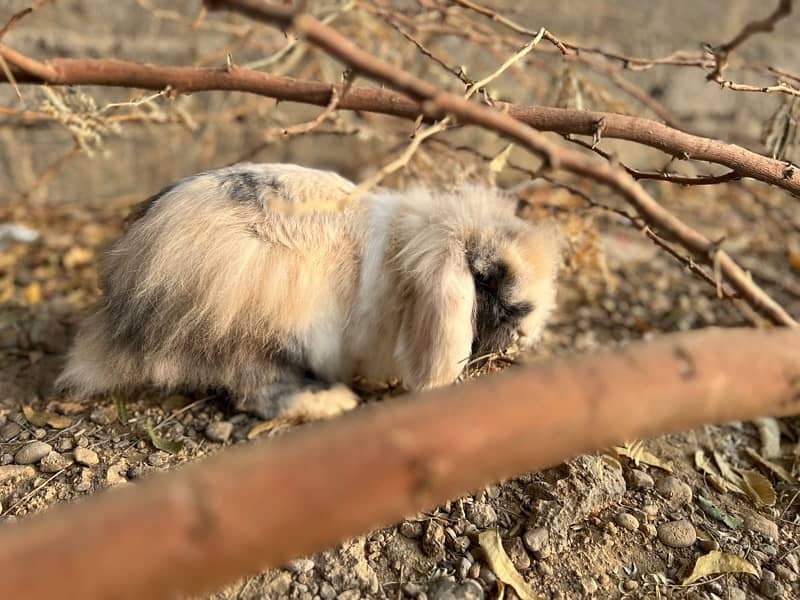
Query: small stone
461	543
630	585
589	586
39	433
769	550
639	480
32	453
487	576
156	459
482	515
115	474
544	569
537	540
785	574
753	521
444	589
16	472
627	521
770	587
103	415
301	565
84	483
411	529
219	431
707	544
411	589
516	552
735	593
85	456
650	511
54	462
64	444
433	540
9	431
463	567
326	591
6	458
349	595
674	490
677	534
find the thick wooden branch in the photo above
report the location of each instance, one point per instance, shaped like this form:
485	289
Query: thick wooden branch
247	509
109	72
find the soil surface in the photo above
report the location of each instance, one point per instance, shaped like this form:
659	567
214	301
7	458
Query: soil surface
598	526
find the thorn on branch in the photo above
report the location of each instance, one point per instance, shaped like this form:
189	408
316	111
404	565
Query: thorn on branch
597	132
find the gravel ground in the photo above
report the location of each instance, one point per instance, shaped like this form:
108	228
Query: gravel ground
598	526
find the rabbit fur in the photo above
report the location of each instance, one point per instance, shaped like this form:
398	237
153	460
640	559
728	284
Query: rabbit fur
253	278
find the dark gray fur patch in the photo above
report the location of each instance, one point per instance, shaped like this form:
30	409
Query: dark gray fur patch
142	208
248	186
497	317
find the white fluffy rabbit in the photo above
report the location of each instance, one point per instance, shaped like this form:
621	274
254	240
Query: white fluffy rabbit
215	285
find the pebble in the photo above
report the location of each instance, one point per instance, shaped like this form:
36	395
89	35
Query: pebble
770	587
784	573
482	515
639	480
6	458
54	462
85	456
677	534
433	540
544	569
326	591
8	431
630	585
64	444
735	593
627	521
463	567
411	589
444	589
103	415
84	483
39	433
537	540
674	490
115	474
411	529
156	459
753	521
32	453
487	576
347	595
461	543
516	552
589	586
301	565
219	431
9	472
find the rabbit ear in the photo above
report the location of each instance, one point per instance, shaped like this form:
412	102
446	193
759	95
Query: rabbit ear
436	329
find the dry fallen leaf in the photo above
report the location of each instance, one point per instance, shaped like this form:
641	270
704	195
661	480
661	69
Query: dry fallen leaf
271	427
770	433
758	488
502	566
32	293
77	256
726	470
46	418
635	451
715	563
704	466
69	408
774	468
173	447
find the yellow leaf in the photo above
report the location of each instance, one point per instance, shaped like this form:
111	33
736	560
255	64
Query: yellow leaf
271	427
705	467
716	562
635	451
46	418
77	256
758	488
502	566
775	468
32	293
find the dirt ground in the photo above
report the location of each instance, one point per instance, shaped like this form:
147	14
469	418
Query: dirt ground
598	526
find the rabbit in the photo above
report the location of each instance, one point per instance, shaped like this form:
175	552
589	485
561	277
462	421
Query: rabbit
215	285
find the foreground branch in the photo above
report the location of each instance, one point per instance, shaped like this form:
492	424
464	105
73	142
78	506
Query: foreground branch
109	72
247	509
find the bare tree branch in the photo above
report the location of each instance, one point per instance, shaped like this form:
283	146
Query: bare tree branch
109	72
183	533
